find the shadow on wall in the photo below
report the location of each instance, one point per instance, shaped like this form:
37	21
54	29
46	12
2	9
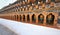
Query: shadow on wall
5	31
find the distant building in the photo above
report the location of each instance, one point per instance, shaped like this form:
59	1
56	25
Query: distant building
44	12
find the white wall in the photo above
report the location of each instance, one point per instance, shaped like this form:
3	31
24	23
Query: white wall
28	29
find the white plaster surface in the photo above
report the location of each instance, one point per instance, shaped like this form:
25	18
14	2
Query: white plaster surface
28	29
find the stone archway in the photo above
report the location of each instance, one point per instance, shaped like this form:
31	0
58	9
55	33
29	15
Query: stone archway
28	18
23	17
20	18
50	19
41	18
33	18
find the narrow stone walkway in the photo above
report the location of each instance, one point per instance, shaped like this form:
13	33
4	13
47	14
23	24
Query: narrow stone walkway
5	31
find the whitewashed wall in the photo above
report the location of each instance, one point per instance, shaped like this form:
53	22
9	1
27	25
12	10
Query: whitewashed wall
28	29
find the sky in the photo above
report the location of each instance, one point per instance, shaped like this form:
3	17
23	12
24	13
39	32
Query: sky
4	3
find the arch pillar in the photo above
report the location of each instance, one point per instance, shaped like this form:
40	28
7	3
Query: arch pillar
19	17
15	17
36	18
45	14
56	19
25	18
31	18
44	20
22	17
11	17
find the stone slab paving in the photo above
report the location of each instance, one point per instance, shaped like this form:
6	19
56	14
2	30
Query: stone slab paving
5	31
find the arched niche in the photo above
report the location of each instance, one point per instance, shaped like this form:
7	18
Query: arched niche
50	19
28	18
20	18
33	18
14	17
41	18
23	17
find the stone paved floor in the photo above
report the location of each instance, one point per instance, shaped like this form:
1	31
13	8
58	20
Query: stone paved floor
5	31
